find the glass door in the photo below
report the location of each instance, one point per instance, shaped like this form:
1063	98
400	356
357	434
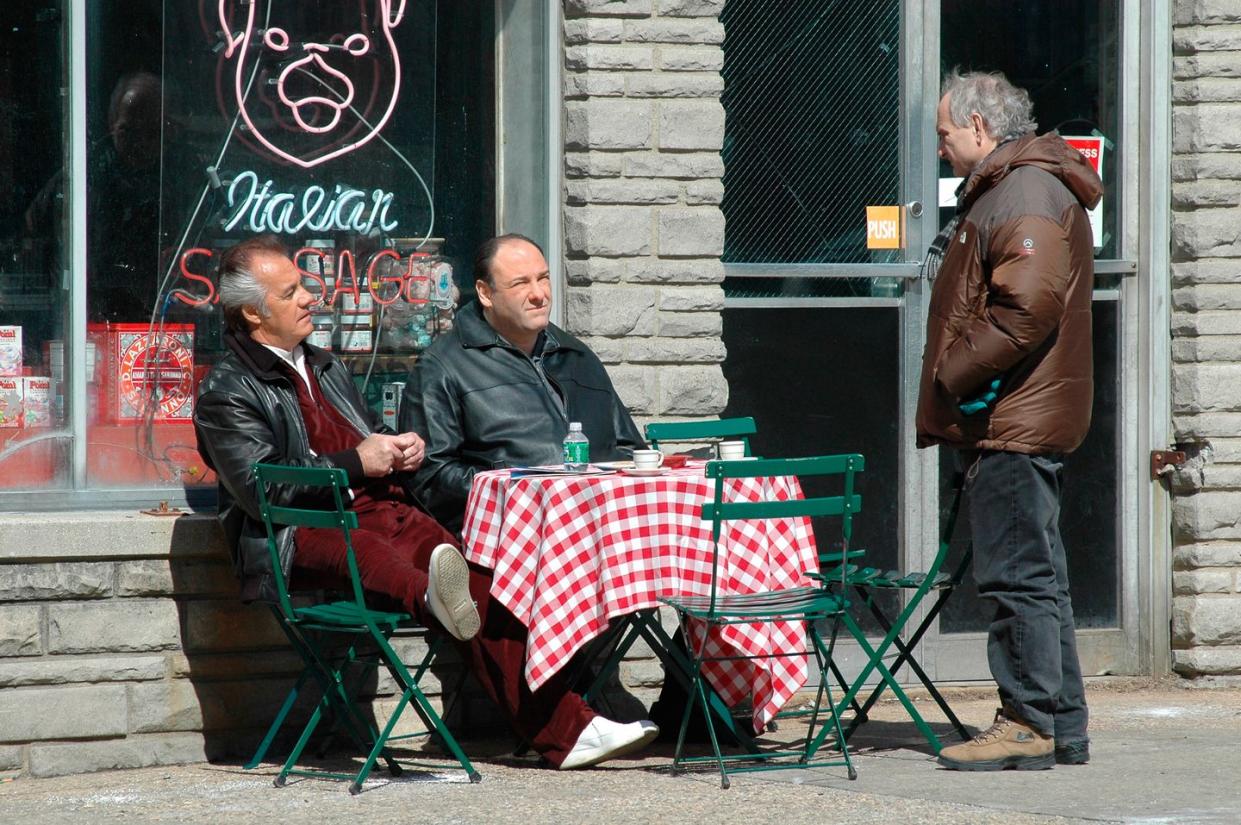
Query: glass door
1069	59
832	110
826	115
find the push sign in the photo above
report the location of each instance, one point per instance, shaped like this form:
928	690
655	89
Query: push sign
883	227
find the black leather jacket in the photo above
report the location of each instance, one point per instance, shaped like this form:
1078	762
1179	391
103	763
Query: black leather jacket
481	404
246	412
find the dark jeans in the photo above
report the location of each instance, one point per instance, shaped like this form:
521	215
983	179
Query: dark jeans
1019	564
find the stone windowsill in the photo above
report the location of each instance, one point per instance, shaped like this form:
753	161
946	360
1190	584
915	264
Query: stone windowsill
105	534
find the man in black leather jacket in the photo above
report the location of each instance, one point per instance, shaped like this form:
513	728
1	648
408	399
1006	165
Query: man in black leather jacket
276	399
500	389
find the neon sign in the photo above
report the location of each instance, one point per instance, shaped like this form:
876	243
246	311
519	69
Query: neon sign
384	279
259	209
318	88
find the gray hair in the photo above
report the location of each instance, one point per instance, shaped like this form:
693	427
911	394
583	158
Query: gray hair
1005	109
238	286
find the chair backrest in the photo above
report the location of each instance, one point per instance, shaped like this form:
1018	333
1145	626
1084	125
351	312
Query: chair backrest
339	516
845	505
676	431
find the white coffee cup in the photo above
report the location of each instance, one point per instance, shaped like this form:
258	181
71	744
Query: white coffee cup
731	450
647	459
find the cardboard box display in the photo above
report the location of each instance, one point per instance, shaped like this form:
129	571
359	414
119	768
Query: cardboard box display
54	358
10	401
138	360
36	401
321	337
10	350
390	403
356	339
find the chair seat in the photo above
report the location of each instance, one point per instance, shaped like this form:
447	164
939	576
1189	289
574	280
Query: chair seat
874	577
797	603
348	614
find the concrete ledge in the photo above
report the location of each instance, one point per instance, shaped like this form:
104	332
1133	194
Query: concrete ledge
27	537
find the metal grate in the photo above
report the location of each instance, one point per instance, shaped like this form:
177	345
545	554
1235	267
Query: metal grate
812	134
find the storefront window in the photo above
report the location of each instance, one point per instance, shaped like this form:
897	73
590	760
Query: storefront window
362	133
34	444
1067	56
812	133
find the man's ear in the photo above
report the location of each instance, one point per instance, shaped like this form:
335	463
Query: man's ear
252	316
483	290
980	127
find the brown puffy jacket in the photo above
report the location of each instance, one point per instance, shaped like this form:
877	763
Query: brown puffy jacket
1012	300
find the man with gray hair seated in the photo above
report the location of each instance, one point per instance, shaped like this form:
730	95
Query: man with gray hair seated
1007	381
274	398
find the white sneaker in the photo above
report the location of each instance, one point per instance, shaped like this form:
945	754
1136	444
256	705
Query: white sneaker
448	593
604	739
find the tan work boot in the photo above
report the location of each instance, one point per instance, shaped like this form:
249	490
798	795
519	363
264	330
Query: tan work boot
1008	743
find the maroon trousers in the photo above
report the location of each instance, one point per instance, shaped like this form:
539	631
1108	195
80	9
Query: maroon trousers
393	550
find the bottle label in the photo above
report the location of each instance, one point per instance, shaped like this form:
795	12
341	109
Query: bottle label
576	452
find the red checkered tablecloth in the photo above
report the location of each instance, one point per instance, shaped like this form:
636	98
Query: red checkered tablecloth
569	553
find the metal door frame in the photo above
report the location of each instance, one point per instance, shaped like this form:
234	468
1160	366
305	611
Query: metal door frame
1139	645
1140	642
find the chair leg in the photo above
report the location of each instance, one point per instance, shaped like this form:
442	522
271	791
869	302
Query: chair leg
681	668
906	649
257	759
356	786
311	724
874	657
824	655
699	694
422	707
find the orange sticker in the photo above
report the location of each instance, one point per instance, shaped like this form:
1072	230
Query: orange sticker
883	227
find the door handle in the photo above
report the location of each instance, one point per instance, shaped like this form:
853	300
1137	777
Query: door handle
914	208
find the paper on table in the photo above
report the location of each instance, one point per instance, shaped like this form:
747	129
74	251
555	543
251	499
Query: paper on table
558	470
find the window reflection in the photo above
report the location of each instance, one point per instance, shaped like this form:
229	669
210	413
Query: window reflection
33	442
1066	55
360	132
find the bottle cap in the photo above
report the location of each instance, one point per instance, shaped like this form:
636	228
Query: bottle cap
575	426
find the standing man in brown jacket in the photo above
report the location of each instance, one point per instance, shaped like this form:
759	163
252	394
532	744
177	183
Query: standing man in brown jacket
1007	381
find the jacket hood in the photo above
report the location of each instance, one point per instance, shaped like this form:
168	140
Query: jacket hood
1048	152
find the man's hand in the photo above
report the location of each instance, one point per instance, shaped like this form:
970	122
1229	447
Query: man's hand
380	454
982	402
413	451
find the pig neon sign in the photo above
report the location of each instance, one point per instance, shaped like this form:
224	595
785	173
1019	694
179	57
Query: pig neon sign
316	82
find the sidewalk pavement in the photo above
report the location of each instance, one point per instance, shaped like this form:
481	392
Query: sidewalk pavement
1161	752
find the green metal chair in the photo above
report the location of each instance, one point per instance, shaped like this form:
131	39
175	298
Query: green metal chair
867	583
814	605
350	621
678	431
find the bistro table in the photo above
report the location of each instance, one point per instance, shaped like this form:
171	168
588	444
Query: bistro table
572	552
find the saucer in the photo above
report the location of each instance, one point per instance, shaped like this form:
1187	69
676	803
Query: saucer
634	471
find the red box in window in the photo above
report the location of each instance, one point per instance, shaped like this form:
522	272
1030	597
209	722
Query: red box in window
144	366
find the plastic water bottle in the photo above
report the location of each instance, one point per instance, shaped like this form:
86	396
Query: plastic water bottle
576	448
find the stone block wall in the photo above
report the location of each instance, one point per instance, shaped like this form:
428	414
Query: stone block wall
123	643
1206	337
643	129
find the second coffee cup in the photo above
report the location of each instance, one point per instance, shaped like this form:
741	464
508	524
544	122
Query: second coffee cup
731	450
647	459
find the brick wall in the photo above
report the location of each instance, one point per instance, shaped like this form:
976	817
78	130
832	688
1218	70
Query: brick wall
1206	337
643	128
